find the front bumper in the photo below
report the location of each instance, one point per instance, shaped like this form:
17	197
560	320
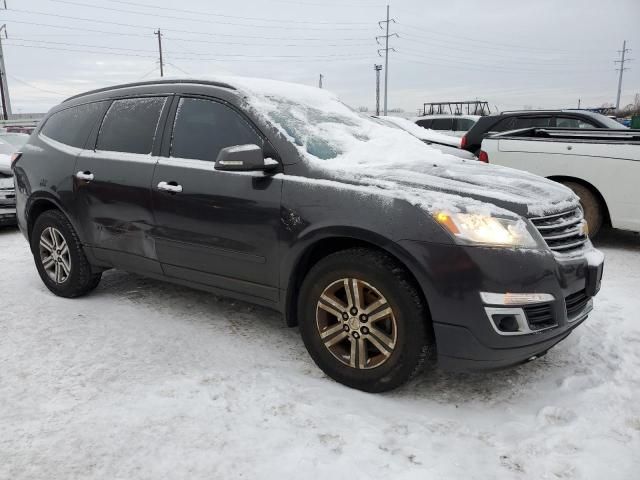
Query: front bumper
453	277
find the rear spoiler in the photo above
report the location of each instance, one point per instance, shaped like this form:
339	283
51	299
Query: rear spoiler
605	134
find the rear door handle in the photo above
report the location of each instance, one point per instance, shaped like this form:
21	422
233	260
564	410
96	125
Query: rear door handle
86	176
172	187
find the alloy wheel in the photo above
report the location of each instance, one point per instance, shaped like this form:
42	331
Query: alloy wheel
356	323
55	255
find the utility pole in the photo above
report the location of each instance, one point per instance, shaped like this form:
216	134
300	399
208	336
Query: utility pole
320	81
4	87
621	69
578	104
386	53
160	51
377	68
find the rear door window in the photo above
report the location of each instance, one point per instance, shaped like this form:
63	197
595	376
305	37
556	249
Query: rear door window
130	125
529	122
503	125
442	124
73	125
204	127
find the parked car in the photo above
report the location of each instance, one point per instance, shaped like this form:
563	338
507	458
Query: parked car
444	143
7	192
602	166
280	195
456	125
515	120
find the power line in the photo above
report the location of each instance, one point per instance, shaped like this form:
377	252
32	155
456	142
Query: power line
622	52
476	40
306	59
201	20
220	15
386	53
191	32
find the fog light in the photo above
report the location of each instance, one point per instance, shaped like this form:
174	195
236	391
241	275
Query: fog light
515	298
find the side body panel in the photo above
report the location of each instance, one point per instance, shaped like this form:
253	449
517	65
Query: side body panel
613	169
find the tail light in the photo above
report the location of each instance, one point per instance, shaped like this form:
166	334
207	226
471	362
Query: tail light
463	142
483	157
14	158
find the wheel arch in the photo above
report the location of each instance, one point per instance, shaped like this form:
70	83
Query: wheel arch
590	186
332	242
37	206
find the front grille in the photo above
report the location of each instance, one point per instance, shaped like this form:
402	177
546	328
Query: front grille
575	303
539	316
564	231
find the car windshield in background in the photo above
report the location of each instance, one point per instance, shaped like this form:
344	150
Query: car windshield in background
606	121
15	139
6	148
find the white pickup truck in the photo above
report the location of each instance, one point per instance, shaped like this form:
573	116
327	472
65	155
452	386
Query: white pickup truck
602	166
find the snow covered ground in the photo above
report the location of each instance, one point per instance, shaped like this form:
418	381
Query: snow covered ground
143	379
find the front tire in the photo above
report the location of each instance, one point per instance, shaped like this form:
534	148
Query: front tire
59	257
593	211
363	320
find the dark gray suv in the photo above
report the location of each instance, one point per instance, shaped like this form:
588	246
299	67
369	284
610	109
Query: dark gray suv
384	251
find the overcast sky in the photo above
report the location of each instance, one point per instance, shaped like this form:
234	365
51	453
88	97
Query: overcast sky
542	53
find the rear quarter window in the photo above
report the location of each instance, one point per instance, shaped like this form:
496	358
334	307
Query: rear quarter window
73	125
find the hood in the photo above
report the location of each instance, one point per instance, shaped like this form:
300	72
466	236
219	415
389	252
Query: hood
338	143
437	182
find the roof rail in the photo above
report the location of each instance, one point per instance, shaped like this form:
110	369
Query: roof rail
542	110
153	82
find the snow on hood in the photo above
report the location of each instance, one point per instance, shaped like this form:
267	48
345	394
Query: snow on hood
340	144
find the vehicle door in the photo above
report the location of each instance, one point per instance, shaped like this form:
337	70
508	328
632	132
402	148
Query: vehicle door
113	183
215	227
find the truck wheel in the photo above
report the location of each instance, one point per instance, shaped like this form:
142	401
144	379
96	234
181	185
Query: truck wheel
591	205
59	257
363	321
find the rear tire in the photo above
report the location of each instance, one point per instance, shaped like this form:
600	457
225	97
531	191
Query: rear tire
374	336
59	257
593	210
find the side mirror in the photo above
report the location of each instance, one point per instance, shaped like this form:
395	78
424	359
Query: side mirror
241	158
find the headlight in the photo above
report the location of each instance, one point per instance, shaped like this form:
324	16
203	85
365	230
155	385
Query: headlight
481	229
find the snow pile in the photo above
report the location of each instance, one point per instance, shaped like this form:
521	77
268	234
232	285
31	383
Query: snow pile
148	380
424	133
341	144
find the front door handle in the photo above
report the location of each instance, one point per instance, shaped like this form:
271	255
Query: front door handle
172	187
86	176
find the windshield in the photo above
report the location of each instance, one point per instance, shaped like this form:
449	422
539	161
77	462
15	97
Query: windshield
606	121
15	139
323	132
6	148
